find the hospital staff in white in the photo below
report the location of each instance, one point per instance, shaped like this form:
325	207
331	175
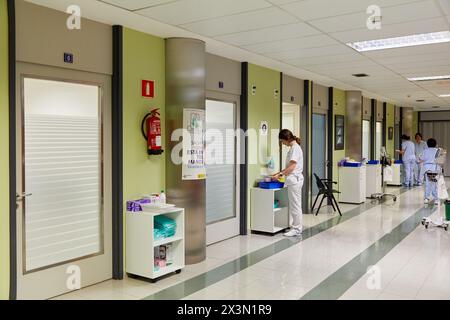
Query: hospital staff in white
294	181
409	160
420	147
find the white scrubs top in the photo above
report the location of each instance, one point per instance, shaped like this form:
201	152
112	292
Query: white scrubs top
420	148
409	148
429	160
295	154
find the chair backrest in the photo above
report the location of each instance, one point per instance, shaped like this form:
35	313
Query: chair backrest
320	183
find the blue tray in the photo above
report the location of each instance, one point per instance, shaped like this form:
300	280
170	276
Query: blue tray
398	162
271	185
353	165
373	162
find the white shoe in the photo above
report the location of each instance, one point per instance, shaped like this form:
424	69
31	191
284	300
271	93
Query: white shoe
293	233
427	201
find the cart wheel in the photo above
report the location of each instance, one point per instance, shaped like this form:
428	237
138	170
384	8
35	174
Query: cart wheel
423	222
395	199
446	228
178	271
427	225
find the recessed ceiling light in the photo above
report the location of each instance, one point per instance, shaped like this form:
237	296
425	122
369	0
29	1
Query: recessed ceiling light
444	96
430	78
360	75
401	42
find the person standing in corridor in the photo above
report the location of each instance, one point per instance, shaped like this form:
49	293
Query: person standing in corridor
420	147
409	160
294	180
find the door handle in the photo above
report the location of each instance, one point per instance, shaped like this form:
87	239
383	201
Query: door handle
20	198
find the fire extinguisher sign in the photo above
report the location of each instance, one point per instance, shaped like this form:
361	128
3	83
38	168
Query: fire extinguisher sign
148	88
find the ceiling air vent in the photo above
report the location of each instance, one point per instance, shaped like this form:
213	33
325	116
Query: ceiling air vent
360	75
435	107
420	100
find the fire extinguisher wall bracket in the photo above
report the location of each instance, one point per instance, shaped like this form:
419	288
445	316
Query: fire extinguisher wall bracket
155	152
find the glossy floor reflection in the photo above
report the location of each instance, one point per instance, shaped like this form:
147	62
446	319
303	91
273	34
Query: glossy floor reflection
330	262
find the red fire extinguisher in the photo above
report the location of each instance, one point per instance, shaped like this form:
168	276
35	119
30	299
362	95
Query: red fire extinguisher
151	130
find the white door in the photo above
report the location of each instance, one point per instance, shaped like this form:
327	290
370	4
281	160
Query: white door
366	140
290	121
222	188
63	181
379	142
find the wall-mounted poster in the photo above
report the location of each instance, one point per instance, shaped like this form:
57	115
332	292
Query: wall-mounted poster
391	133
194	167
340	132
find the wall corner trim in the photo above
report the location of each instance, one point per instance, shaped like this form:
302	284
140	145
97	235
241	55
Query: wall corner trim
12	147
117	154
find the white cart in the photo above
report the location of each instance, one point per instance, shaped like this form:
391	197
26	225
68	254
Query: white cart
352	184
374	181
396	175
265	218
140	244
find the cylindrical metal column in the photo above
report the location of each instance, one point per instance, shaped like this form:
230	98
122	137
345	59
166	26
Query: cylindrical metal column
185	89
354	124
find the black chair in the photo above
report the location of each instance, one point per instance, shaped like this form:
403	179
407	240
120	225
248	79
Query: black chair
326	190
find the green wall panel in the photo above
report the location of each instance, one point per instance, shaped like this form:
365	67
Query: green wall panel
263	106
339	105
390	123
4	154
144	58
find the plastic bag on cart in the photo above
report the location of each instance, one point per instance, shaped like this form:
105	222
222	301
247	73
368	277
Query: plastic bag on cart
388	174
442	188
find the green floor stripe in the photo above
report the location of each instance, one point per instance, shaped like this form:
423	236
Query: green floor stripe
339	282
202	281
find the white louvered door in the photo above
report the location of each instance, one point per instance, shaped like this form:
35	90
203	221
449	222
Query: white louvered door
63	205
222	216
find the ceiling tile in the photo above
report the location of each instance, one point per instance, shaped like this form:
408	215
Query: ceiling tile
282	32
136	4
292	44
315	9
393	30
329	51
186	11
241	22
445	5
337	59
391	15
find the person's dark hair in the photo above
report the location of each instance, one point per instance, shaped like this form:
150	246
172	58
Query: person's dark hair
288	136
418	135
406	137
431	143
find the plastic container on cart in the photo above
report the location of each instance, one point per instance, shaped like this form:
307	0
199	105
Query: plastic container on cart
271	185
447	210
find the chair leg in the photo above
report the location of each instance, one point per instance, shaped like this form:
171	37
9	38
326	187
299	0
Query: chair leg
321	202
337	205
315	202
330	197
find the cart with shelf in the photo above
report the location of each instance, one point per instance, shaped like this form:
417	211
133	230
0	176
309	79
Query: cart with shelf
265	217
140	244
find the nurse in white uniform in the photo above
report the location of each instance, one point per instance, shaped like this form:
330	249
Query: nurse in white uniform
294	181
409	160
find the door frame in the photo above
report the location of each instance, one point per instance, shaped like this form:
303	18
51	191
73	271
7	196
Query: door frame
36	71
236	100
323	113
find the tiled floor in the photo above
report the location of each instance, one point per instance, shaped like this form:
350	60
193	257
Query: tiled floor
325	265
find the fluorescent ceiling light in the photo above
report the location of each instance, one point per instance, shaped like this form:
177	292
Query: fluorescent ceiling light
444	96
401	42
430	78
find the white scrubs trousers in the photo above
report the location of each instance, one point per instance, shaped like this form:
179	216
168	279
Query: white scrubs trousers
295	205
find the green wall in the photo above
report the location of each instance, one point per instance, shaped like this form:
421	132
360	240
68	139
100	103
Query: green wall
263	106
4	155
143	58
390	123
339	105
